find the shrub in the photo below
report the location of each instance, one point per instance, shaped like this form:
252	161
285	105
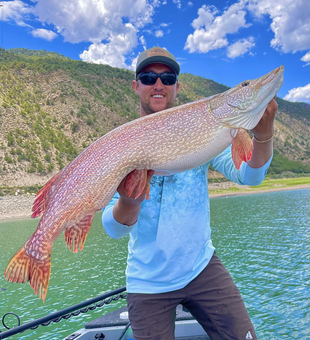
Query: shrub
89	121
10	138
40	167
50	167
31	169
74	127
8	158
47	157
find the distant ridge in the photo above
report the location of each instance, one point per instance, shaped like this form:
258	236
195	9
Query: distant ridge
36	53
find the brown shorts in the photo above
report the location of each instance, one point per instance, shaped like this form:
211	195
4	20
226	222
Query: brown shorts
212	298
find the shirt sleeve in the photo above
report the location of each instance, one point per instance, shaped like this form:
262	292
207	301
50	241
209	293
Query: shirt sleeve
245	175
113	228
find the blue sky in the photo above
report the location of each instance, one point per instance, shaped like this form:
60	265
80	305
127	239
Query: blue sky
226	41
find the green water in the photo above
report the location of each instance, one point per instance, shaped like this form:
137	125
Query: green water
263	240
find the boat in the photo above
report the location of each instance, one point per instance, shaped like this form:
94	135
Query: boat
111	326
116	326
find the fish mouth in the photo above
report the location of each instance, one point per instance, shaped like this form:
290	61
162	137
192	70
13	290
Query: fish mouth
278	72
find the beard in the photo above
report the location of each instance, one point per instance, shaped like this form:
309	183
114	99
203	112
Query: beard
149	110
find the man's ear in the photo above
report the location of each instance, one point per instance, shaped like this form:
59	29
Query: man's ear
135	86
178	86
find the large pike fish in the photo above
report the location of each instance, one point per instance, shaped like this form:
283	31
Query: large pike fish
168	142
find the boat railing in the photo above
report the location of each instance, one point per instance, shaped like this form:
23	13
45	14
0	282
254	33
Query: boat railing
75	310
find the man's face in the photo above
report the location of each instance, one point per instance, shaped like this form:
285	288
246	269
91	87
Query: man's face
157	97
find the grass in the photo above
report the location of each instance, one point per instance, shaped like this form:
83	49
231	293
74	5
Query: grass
268	184
285	182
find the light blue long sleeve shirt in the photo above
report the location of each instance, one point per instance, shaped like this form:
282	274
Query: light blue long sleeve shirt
170	244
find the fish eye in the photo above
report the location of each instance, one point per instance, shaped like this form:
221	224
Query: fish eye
245	83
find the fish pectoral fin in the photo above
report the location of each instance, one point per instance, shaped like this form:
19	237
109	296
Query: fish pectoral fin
76	234
24	267
242	148
136	179
42	197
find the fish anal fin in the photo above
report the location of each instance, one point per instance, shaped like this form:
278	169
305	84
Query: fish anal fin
42	197
242	148
24	267
76	234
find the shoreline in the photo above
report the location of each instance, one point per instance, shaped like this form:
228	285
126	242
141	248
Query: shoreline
258	191
19	207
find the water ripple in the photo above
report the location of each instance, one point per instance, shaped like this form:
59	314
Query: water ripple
264	242
262	239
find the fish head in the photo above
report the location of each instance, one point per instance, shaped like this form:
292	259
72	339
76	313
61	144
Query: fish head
243	105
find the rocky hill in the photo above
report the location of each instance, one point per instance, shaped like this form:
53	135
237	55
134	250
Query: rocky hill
52	107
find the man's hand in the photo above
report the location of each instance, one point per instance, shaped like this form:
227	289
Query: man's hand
263	141
264	129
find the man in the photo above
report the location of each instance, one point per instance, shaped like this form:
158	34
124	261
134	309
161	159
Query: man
171	259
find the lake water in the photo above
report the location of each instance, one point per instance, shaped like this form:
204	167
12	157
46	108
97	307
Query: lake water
263	240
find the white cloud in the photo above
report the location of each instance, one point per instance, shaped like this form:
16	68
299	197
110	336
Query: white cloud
299	94
143	42
80	20
178	3
240	47
181	61
44	34
134	63
306	58
159	33
112	53
190	3
211	29
103	23
15	11
290	22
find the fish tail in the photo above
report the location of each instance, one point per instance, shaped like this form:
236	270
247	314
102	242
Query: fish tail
24	267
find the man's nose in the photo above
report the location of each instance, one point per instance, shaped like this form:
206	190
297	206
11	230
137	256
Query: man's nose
158	83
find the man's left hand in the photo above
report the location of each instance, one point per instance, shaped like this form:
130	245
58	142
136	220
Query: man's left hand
264	129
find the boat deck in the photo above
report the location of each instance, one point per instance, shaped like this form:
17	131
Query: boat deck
112	325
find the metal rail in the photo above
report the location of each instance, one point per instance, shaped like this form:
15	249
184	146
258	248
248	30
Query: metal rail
64	313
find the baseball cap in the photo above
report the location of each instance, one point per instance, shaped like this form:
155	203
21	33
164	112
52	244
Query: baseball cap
157	55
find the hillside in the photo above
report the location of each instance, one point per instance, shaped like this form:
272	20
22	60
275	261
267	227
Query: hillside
52	107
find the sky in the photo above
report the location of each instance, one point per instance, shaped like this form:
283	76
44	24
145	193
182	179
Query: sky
226	41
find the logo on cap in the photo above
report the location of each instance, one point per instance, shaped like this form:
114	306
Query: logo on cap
157	51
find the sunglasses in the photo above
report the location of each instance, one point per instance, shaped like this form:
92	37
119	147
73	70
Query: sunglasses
150	78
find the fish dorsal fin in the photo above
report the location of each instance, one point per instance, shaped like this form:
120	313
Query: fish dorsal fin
242	148
42	197
76	234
